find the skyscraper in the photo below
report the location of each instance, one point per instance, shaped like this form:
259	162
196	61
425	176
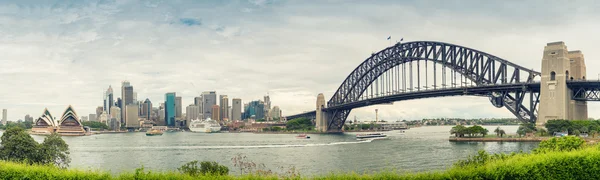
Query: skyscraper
92	117
117	114
178	107
108	99
99	111
267	107
215	112
209	98
146	110
126	98
170	109
132	116
198	103
255	109
28	118
4	116
224	104
236	109
191	112
275	113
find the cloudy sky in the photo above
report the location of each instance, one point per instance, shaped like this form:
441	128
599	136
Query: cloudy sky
55	53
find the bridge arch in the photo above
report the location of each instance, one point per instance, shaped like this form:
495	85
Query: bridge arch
479	67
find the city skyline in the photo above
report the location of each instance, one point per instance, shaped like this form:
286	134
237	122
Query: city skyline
289	50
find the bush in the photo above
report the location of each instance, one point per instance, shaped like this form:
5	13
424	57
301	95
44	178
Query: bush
206	168
567	143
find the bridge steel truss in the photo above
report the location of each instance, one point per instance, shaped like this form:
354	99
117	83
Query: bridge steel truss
472	66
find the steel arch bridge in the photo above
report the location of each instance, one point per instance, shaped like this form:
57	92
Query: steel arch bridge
426	69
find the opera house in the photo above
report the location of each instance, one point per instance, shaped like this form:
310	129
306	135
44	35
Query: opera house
68	125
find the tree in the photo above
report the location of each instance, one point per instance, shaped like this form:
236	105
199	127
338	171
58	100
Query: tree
55	151
497	131
458	131
584	129
576	133
18	146
593	133
502	133
543	132
299	124
95	125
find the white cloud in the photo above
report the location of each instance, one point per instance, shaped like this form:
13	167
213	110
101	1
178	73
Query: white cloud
55	54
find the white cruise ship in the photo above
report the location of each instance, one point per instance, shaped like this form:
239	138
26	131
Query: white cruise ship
206	126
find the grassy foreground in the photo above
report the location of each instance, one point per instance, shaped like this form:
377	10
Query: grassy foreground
578	164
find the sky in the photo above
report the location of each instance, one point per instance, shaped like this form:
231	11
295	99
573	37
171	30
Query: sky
58	53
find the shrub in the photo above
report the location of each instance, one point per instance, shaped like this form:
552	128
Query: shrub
205	168
567	143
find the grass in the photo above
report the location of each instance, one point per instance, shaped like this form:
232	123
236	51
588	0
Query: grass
578	164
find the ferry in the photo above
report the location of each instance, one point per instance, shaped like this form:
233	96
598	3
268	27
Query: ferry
371	136
154	132
206	126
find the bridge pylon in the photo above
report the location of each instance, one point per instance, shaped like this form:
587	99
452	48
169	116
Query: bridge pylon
559	66
322	118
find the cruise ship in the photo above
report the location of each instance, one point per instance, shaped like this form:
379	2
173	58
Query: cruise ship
206	126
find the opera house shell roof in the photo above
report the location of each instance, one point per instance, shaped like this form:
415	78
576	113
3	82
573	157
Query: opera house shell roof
69	124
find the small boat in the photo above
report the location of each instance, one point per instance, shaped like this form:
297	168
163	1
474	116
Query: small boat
154	132
370	136
303	136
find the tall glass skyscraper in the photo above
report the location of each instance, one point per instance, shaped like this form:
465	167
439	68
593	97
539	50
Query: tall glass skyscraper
170	109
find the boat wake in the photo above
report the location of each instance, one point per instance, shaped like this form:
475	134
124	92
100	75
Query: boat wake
231	147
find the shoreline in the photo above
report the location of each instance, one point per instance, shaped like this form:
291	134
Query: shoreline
523	139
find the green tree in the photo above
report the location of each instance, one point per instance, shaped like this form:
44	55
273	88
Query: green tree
18	146
502	133
584	129
458	130
593	133
95	125
299	124
497	131
55	151
576	133
543	132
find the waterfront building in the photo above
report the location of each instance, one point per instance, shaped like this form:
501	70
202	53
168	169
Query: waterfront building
224	105
99	111
254	109
236	109
92	117
69	124
4	116
170	109
209	98
191	113
114	123
161	118
178	107
126	98
45	124
146	109
215	112
108	99
103	118
117	114
132	116
275	113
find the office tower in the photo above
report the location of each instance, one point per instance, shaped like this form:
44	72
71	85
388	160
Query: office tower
114	123
108	99
178	107
236	109
224	104
134	97
99	111
84	118
117	114
132	116
267	107
215	112
229	113
92	117
4	116
126	98
191	112
103	118
275	113
198	103
209	98
254	110
28	118
170	109
146	110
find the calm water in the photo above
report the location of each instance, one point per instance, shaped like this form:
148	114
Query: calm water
419	149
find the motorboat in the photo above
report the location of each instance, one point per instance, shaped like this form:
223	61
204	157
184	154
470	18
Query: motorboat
303	136
206	126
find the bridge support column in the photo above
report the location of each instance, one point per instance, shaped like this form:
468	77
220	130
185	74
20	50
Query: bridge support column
322	119
559	66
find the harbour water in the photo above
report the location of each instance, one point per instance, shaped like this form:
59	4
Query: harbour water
418	149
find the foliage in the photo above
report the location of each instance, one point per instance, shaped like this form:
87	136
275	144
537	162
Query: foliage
461	131
299	124
205	168
18	146
584	126
576	133
95	125
248	167
525	128
543	132
21	124
566	143
502	133
481	158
